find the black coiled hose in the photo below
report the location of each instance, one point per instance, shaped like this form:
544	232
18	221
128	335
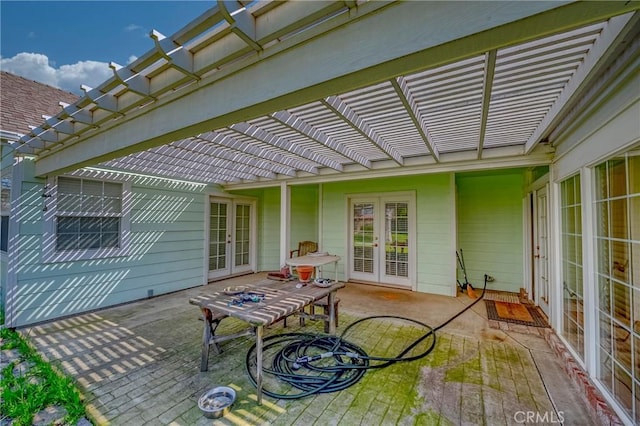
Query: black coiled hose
313	363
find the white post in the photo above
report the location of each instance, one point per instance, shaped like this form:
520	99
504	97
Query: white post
589	277
555	270
320	229
285	209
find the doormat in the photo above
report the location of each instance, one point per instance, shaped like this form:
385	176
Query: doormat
501	296
516	313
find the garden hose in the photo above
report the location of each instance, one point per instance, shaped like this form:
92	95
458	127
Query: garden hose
318	363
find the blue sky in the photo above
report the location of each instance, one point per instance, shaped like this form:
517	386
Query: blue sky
69	43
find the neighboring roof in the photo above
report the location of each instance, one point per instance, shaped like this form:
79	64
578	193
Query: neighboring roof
23	102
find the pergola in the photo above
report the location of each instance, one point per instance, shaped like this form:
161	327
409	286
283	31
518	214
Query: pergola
256	93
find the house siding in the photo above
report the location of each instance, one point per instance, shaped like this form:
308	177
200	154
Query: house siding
268	226
166	254
434	224
304	215
611	128
490	219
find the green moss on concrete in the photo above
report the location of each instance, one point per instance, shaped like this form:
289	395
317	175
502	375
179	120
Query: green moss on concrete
430	417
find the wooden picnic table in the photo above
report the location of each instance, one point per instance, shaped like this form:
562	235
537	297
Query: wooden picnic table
280	300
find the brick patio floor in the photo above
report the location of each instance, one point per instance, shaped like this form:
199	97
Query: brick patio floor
138	364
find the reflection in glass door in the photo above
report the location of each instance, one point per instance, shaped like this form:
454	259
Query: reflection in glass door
396	239
231	236
363	241
219	239
242	257
541	263
381	240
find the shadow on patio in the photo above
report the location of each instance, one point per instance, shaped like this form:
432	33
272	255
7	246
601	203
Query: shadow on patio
138	364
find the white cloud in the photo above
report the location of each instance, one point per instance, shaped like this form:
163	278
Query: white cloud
131	59
36	66
132	27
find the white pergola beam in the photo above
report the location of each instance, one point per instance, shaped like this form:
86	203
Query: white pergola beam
280	80
190	151
299	125
286	145
487	85
241	21
269	155
347	114
410	105
211	148
616	27
136	83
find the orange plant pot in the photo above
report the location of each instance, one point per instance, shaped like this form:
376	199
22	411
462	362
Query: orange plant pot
304	273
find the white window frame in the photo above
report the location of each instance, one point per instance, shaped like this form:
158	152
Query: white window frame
6	212
51	254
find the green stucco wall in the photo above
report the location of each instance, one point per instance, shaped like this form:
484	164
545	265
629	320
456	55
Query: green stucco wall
434	224
304	214
268	226
303	221
490	227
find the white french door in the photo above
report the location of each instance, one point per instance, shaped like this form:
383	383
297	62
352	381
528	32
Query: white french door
541	250
231	247
381	239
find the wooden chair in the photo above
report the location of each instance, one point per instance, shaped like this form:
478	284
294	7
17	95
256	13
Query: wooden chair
304	248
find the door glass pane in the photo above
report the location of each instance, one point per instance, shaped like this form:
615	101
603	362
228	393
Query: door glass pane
217	236
619	314
242	234
363	215
396	231
571	239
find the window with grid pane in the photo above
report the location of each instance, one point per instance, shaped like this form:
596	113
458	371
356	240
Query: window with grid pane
617	211
88	214
571	239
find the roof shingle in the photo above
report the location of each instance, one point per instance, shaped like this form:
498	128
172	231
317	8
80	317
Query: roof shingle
23	102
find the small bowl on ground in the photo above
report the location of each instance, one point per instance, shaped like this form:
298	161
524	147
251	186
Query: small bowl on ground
217	402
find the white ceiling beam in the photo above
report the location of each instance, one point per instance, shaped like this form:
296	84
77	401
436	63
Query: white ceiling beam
410	105
345	113
269	155
176	55
617	27
299	125
280	80
495	158
210	148
189	151
220	167
137	165
61	126
269	138
215	167
76	114
44	135
104	101
487	85
241	21
34	142
136	83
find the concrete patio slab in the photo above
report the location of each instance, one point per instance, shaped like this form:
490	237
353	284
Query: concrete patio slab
138	364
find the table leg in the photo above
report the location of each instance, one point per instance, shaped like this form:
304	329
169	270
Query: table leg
332	312
206	339
259	333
